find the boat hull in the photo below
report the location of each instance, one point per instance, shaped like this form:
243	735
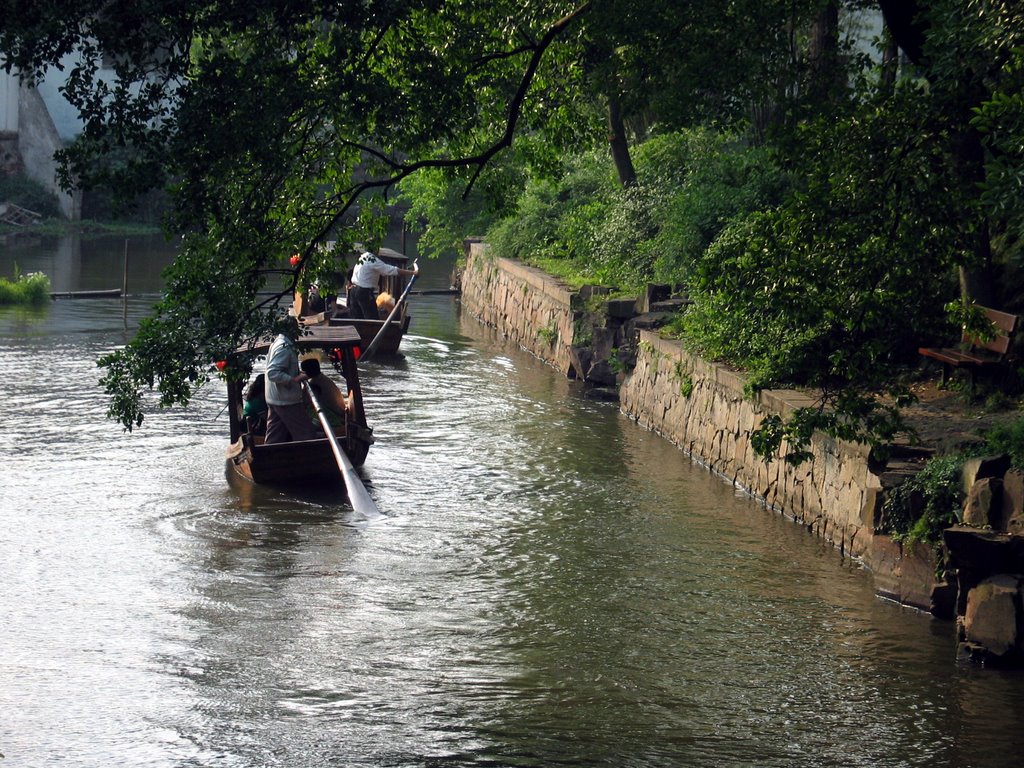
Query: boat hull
368	330
306	462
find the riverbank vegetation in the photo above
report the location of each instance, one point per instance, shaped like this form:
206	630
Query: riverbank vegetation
32	289
822	177
33	196
29	194
921	508
821	245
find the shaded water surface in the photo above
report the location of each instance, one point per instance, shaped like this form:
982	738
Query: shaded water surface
550	585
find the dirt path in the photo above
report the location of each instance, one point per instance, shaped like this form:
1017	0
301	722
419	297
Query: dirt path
944	421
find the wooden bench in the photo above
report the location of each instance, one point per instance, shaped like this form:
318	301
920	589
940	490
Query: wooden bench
974	354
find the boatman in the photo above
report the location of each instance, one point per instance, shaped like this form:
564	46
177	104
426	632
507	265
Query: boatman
287	419
366	275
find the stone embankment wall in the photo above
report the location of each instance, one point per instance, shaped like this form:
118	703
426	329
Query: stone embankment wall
701	407
532	308
985	557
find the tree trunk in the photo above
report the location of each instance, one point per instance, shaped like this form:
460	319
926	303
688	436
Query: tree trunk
977	280
823	54
903	20
890	63
618	144
907	27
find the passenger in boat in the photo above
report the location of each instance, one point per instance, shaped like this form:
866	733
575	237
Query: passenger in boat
365	277
287	418
385	303
327	392
314	302
255	408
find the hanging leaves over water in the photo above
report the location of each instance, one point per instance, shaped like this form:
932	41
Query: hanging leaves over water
278	126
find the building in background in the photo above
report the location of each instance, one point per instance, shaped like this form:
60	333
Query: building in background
29	136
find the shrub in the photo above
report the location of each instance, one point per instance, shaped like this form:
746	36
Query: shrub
25	289
439	212
1008	439
25	192
730	183
558	218
689	185
926	504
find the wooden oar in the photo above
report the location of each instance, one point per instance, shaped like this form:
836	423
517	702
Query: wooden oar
371	348
357	493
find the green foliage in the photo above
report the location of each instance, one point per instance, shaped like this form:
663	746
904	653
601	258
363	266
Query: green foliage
681	373
970	317
29	194
548	335
926	504
1008	439
442	215
690	184
976	67
615	362
821	260
558	219
32	289
836	288
932	500
715	180
283	125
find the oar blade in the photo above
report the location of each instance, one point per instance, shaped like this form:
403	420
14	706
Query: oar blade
358	496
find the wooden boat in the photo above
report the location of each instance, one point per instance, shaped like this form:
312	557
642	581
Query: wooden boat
335	310
307	461
109	293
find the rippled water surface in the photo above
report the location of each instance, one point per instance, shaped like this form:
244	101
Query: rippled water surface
549	585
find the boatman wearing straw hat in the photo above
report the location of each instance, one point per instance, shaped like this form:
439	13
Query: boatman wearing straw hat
362	298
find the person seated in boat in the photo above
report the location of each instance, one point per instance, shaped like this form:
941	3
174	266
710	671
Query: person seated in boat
308	302
385	303
255	408
327	392
366	276
287	419
314	301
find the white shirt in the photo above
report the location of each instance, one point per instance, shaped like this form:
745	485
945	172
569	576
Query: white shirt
369	269
282	367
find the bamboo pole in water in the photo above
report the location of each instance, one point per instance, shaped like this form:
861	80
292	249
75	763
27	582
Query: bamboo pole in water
124	287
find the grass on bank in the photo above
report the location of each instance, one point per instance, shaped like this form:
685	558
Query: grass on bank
84	228
32	289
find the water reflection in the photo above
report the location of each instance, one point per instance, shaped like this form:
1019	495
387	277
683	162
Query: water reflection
96	263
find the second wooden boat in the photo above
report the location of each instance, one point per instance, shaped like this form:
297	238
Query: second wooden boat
307	461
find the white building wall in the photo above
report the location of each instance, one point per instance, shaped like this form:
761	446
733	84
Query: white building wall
65	117
8	103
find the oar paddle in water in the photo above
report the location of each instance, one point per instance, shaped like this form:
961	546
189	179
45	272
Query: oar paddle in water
357	493
372	347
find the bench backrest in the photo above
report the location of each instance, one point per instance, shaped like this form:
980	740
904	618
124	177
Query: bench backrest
1006	326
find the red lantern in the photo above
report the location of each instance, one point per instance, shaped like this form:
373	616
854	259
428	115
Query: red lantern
221	364
357	352
295	259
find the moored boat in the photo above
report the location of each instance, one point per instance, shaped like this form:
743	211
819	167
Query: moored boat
305	461
333	311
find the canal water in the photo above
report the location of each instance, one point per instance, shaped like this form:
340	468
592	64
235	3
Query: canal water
549	585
